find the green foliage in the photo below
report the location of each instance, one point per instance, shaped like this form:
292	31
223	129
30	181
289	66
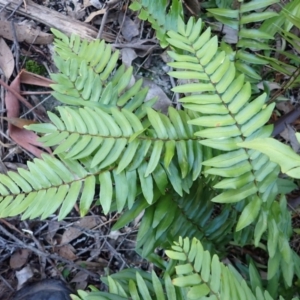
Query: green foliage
198	276
161	14
190	172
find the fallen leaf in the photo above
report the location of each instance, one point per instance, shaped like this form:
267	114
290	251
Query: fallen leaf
34	79
163	101
7	62
20	123
128	55
23	275
19	258
25	138
193	6
129	28
81	280
25	33
66	251
74	231
96	3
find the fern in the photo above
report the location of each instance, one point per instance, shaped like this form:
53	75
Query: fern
227	119
198	276
161	14
172	167
248	39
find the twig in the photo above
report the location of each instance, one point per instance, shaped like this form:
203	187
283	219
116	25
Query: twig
176	95
285	86
102	24
13	12
53	256
16	46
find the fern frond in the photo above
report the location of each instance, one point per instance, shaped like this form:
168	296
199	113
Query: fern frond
198	276
115	149
85	76
46	186
119	136
205	276
248	39
161	14
248	176
191	215
133	284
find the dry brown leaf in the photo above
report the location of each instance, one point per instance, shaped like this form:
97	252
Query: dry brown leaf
20	123
7	62
73	232
25	33
95	14
80	279
25	138
66	251
34	79
19	258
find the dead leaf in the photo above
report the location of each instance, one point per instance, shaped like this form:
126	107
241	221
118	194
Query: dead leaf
155	91
7	62
94	14
25	138
129	29
66	251
23	276
128	55
34	79
81	280
25	33
20	123
19	258
74	231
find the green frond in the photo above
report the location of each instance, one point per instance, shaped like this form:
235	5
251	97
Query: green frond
199	275
48	185
203	275
245	175
86	79
162	15
172	215
108	139
248	39
98	147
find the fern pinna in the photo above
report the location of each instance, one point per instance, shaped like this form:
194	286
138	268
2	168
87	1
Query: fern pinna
173	167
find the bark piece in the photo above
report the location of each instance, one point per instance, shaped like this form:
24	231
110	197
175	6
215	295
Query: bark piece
54	19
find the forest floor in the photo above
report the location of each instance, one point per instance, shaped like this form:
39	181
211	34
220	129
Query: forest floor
75	250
